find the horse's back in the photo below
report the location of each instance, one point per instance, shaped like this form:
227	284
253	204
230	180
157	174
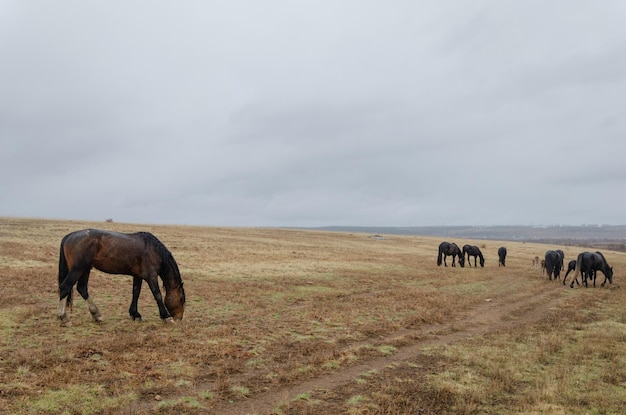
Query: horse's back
111	252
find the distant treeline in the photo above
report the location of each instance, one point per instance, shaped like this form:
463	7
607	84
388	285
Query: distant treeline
589	243
611	237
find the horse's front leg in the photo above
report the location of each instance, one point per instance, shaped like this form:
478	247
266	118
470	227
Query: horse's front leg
81	287
134	313
153	283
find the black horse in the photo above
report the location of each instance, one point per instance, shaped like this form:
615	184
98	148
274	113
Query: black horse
501	256
571	266
587	264
554	263
562	257
473	250
140	254
448	248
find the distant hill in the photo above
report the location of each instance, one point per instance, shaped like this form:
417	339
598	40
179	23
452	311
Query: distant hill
611	237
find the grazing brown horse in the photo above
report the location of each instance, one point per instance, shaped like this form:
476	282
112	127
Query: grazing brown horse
140	254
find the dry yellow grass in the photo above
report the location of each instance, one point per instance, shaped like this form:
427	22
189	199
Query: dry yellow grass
291	321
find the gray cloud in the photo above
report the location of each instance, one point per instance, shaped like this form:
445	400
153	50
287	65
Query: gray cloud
314	113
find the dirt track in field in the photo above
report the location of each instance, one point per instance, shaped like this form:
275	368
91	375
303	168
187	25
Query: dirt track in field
495	314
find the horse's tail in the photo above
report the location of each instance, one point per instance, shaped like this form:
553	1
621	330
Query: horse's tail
439	256
579	261
63	271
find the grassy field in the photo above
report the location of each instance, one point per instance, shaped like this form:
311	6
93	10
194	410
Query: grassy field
304	322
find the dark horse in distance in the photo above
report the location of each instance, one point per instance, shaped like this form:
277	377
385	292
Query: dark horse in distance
447	248
571	266
587	264
553	263
140	255
473	250
501	256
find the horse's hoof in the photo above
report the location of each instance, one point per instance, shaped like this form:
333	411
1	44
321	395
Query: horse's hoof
169	320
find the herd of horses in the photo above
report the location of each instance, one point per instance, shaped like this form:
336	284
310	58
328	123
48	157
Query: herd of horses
586	264
145	258
447	249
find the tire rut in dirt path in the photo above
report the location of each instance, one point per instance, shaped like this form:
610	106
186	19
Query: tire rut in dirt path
489	317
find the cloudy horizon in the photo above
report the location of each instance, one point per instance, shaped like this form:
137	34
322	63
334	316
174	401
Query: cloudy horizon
306	114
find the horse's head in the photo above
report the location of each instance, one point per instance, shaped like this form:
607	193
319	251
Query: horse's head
609	274
462	260
175	301
482	261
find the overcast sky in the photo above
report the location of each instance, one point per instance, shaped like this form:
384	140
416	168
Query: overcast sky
312	113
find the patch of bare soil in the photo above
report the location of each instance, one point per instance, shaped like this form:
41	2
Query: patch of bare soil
495	314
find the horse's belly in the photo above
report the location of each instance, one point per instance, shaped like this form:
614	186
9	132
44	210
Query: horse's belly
115	266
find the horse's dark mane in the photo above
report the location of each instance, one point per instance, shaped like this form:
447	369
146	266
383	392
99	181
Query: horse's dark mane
603	258
169	267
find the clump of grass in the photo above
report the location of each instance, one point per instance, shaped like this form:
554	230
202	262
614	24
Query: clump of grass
357	400
387	350
180	404
92	399
240	391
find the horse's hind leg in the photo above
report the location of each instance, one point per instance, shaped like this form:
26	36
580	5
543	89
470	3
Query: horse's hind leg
65	296
81	287
62	313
